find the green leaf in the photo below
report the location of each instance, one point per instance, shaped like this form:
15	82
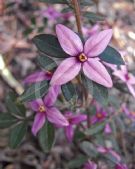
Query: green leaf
87	83
35	91
111	55
100	93
95	129
14	107
54	1
77	162
47	137
6	120
46	62
86	2
17	134
89	149
49	45
68	91
93	17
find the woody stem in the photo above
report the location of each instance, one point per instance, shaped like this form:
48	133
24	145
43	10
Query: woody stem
77	10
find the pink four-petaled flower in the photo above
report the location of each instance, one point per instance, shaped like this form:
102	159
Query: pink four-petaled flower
90	165
45	110
82	57
126	77
72	120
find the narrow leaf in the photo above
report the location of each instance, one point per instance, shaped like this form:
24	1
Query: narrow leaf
6	120
14	107
77	162
46	62
93	17
17	134
49	44
100	93
35	91
95	129
68	91
111	55
46	137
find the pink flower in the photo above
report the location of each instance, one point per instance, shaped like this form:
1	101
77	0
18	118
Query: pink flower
46	111
50	13
72	120
121	166
127	78
38	77
107	129
81	56
105	150
130	114
90	165
99	117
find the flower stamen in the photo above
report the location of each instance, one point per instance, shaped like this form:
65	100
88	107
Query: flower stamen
83	57
41	108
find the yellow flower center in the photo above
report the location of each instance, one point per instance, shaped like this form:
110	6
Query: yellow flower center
82	57
41	109
99	115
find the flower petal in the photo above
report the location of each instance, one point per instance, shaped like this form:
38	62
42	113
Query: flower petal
36	77
75	119
66	71
120	75
38	123
96	71
131	89
69	131
97	43
35	104
55	116
52	95
69	41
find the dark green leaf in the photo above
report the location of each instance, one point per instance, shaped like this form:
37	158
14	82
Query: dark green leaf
46	137
87	83
17	134
46	62
95	129
68	91
86	2
14	107
111	55
54	1
35	91
100	93
78	162
49	45
6	120
93	17
89	149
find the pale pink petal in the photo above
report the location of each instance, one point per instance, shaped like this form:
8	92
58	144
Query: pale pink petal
96	71
69	41
111	66
69	131
107	129
97	43
38	123
76	119
35	104
66	71
120	75
131	79
115	154
90	165
131	89
52	95
36	77
55	116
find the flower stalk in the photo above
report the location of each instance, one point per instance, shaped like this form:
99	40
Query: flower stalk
77	10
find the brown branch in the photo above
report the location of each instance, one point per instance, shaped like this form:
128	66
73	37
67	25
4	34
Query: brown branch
77	10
